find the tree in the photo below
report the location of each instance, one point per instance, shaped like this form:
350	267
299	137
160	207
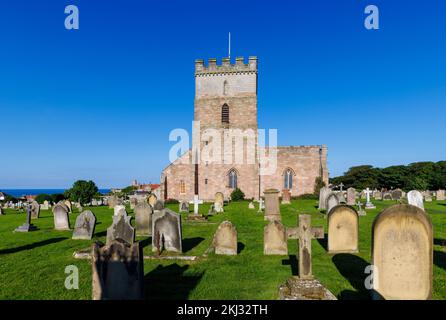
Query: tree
57	197
82	191
360	177
237	195
41	198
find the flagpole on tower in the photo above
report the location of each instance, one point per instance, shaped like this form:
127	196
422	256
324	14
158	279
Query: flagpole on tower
229	53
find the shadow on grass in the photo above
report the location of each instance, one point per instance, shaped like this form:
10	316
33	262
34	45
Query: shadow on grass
440	242
352	268
170	283
189	244
240	247
440	259
100	234
292	261
144	243
31	246
324	242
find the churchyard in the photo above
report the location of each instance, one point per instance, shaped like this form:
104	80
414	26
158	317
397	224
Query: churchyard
33	264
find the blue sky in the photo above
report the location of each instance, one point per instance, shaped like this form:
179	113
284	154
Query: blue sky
99	103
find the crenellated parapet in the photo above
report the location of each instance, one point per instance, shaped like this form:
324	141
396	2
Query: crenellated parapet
212	68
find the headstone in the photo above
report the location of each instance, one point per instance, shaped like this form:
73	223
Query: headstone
119	210
361	211
112	201
441	195
343	229
184	206
341	197
369	204
272	208
143	216
45	205
397	194
35	210
225	239
332	201
351	196
133	202
275	239
377	195
117	271
261	205
212	210
323	195
305	287
68	204
121	228
415	198
387	196
27	226
152	200
402	253
61	220
196	202
286	196
166	231
94	203
159	205
62	204
428	197
219	198
85	225
251	205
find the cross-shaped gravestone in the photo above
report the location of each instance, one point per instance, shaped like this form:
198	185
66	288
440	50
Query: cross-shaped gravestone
368	204
27	226
196	203
341	186
305	233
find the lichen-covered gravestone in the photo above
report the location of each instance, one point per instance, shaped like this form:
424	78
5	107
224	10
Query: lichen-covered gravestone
323	194
143	217
415	198
402	254
61	220
351	196
272	207
85	224
343	226
117	271
159	205
121	229
219	202
184	206
35	210
166	231
152	200
275	239
440	195
286	196
341	198
119	210
332	201
225	239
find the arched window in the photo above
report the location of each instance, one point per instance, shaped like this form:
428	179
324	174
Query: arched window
225	114
288	179
232	179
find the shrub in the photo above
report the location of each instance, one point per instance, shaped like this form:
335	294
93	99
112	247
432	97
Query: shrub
57	197
171	201
237	195
41	198
307	196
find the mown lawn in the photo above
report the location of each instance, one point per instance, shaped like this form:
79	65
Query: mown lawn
32	265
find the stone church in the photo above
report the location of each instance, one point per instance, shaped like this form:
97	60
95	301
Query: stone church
226	99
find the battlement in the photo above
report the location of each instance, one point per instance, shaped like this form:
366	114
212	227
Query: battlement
225	67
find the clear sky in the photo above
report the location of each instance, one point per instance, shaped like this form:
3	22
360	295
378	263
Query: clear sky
99	102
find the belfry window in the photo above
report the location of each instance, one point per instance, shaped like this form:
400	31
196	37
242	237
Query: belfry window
288	179
225	114
232	179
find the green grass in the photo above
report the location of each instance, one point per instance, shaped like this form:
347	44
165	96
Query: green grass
32	265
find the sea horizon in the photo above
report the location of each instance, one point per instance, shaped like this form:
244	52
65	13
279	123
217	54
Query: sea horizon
35	192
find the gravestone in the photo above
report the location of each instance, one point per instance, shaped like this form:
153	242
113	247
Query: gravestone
119	210
305	286
251	205
343	230
27	226
143	216
184	206
45	205
159	205
68	204
219	202
368	203
133	202
377	195
351	196
402	253
323	194
85	225
272	208
286	196
121	228
387	196
225	239
441	195
61	220
261	205
117	271
63	205
152	200
94	203
166	231
341	197
428	197
415	198
112	201
397	194
332	201
35	210
275	239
